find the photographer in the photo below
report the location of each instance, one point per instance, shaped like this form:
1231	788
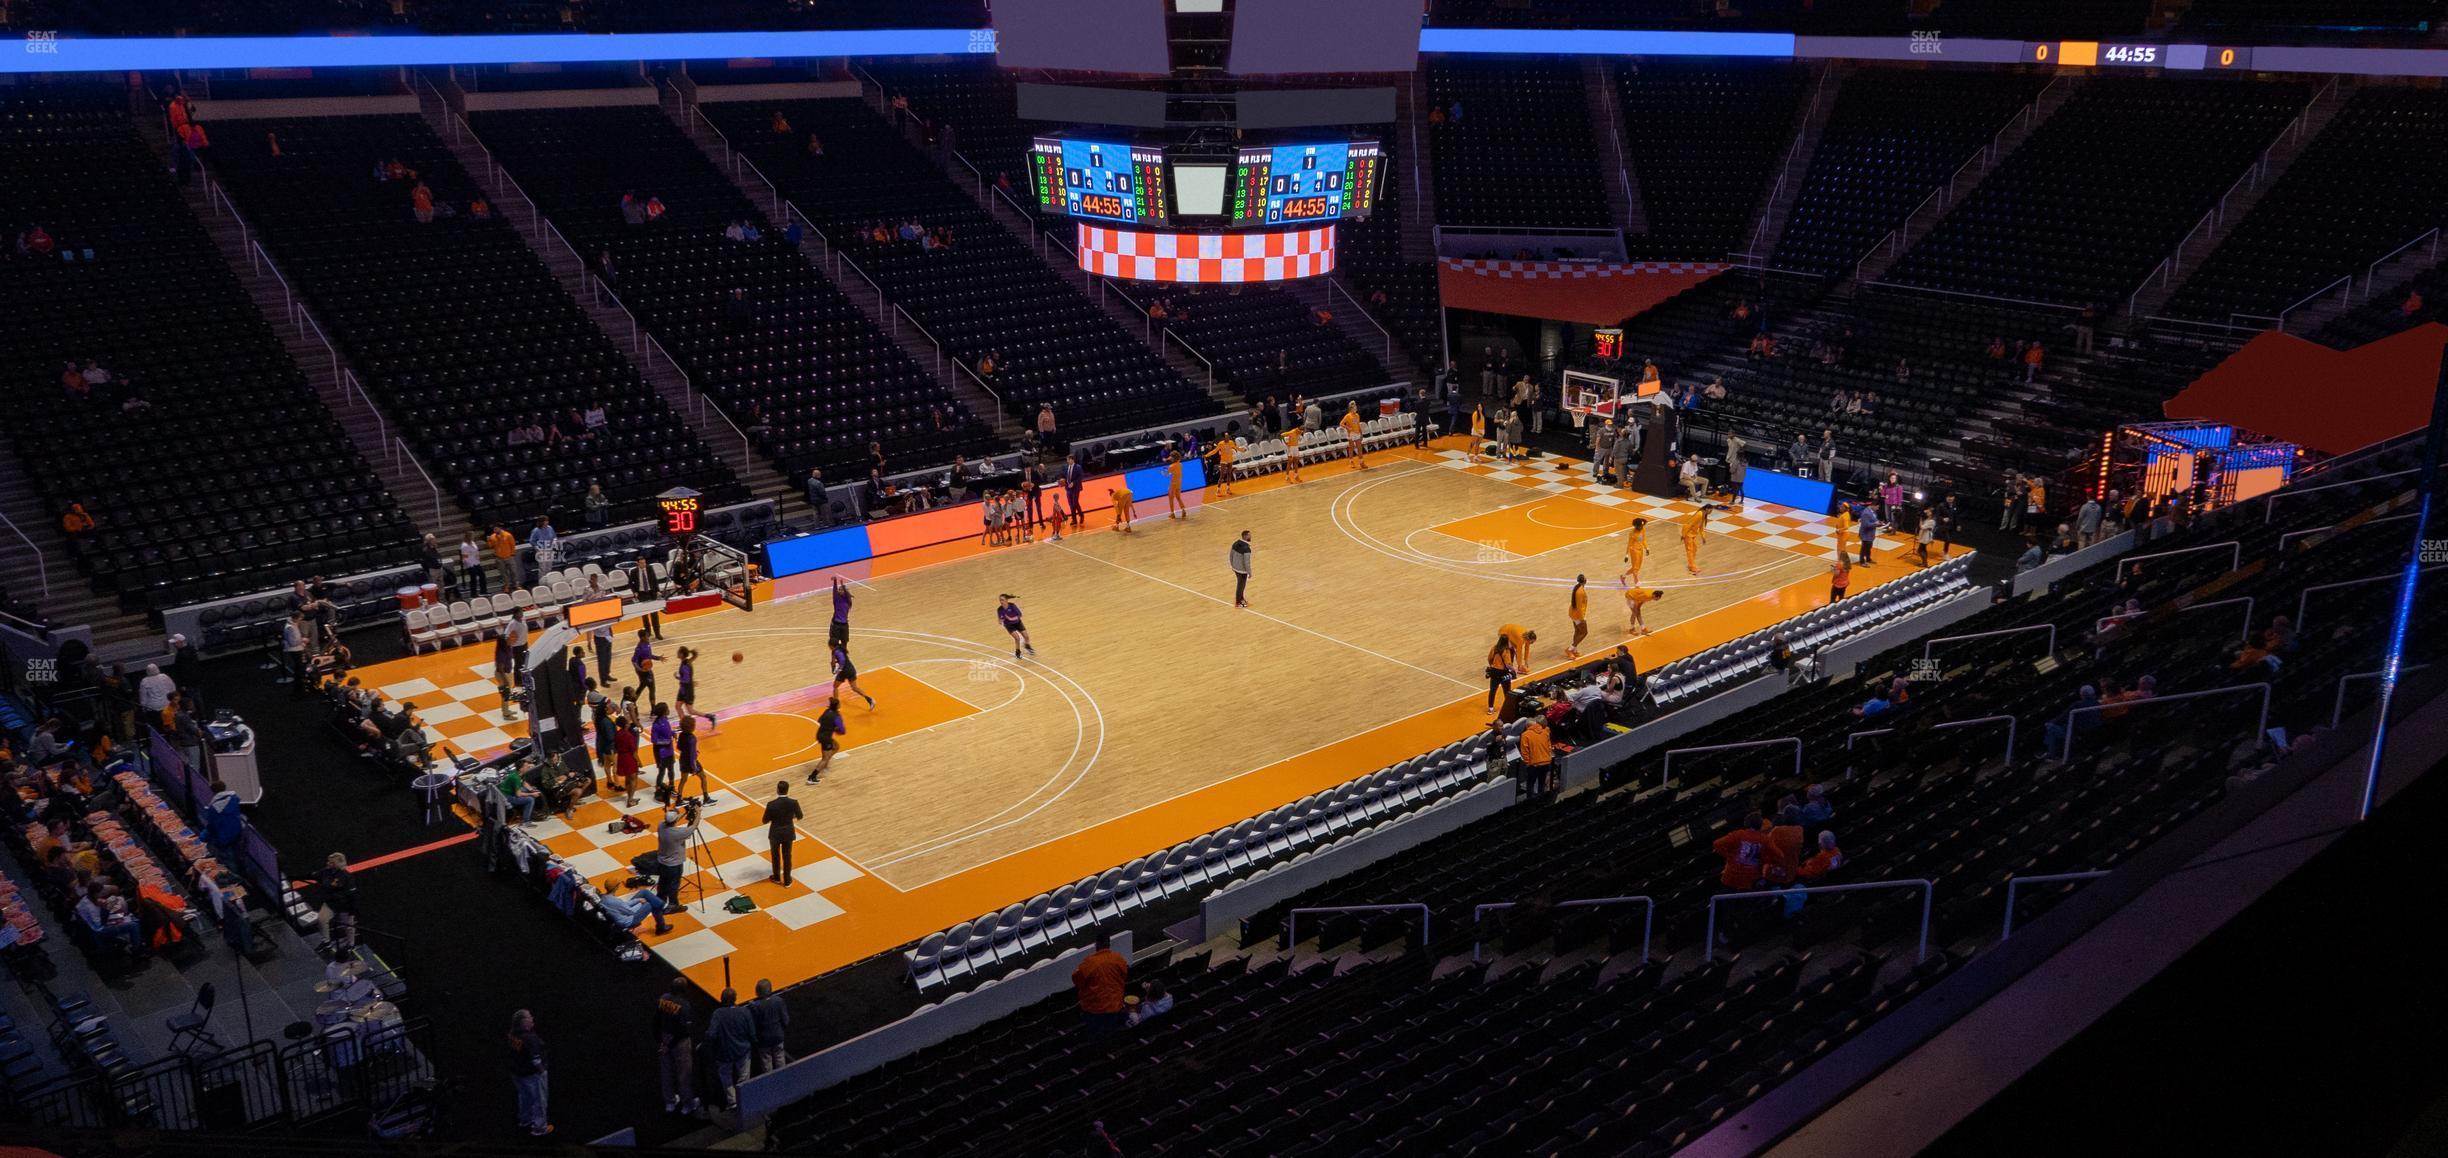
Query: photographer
671	855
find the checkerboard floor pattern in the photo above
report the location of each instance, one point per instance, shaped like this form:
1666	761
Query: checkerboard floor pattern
462	710
1767	524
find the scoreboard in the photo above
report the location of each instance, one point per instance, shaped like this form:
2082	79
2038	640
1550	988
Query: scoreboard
1271	185
1101	180
1295	184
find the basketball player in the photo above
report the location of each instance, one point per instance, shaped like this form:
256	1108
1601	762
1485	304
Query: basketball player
1007	613
1291	441
1499	671
1226	450
1121	508
1695	530
846	672
1478	435
1521	638
686	696
828	737
1173	500
1578	611
839	635
1635	598
1352	430
1636	552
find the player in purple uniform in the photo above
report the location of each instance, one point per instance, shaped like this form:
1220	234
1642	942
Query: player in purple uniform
840	634
1007	613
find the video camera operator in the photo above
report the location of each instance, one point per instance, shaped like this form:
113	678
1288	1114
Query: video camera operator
671	856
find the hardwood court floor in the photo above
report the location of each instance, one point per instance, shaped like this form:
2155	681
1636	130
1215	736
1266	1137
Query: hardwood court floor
1153	710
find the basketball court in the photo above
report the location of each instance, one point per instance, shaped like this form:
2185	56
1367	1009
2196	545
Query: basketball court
1153	710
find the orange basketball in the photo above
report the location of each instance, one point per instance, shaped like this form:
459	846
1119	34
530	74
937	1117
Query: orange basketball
737	657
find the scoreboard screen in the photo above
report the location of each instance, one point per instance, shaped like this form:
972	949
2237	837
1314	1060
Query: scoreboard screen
1100	180
1291	184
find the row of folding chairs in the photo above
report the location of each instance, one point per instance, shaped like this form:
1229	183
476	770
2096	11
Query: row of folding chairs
460	621
973	947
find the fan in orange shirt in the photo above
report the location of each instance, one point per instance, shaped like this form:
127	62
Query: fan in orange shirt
1695	530
1578	611
1352	430
1291	441
1636	552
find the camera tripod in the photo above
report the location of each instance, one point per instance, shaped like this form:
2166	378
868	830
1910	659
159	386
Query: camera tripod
701	862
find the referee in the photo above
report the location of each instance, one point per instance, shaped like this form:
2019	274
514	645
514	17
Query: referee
1240	560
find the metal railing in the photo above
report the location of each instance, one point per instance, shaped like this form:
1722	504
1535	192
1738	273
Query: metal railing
899	315
1928	891
306	322
2050	628
401	451
263	261
1648	917
1335	286
602	289
2337	713
42	567
773	192
2291	536
1667	773
350	387
2269	502
2066	750
2013	883
1944	194
2279	320
1292	919
1925	289
2235	555
2243	633
2371	273
2014	728
1187	348
1785	172
2303	603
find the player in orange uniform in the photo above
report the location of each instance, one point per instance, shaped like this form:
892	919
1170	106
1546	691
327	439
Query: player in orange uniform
1478	435
1521	638
1226	449
1577	610
1636	552
1636	598
1352	430
1173	500
1291	441
1695	529
1122	508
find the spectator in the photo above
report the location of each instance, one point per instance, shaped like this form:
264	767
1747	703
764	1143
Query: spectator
2087	522
1537	746
781	125
1099	982
2412	306
2032	358
106	916
505	557
631	911
2061	733
815	148
598	507
1745	851
1151	1002
527	1073
471	568
421	200
1827	860
76	521
675	1020
1045	423
772	1019
2280	638
1783	853
731	1035
1817	810
1877	705
153	692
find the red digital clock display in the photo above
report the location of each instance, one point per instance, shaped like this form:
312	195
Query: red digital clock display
1100	205
1306	208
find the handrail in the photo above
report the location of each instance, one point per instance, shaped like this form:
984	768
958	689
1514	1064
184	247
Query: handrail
772	190
2303	602
1026	218
1177	338
462	130
2269	502
2371	273
2066	750
555	230
702	403
2346	281
1667	772
263	260
1928	891
2283	539
2014	728
981	384
922	332
1147	319
305	318
1648	917
2243	635
602	290
2012	883
42	567
2337	713
1335	286
974	171
1292	919
1792	153
2050	628
402	450
1944	193
1926	289
2235	555
350	385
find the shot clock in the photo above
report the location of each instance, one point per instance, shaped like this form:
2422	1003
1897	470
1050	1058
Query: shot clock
681	508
